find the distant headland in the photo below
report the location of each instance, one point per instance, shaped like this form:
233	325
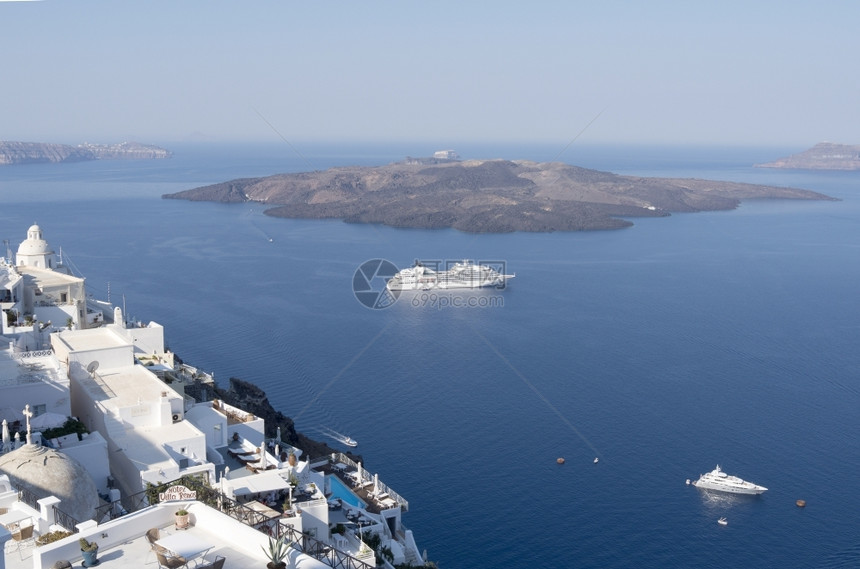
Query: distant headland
483	196
43	152
822	156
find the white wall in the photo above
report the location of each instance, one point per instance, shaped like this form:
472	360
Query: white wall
55	396
211	423
92	453
56	315
250	431
315	519
148	340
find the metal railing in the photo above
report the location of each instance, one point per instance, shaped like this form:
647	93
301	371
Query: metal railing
26	496
65	520
320	550
32	354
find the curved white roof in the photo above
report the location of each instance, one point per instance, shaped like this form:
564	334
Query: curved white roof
34	244
49	472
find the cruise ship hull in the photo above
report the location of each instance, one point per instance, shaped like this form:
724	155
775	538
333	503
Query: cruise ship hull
719	481
731	489
461	276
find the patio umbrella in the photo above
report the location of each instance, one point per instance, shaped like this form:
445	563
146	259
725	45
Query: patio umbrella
376	483
11	414
358	474
263	454
48	421
278	434
278	454
17	439
7	440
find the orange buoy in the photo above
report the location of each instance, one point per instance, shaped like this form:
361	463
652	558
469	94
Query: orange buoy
560	460
801	503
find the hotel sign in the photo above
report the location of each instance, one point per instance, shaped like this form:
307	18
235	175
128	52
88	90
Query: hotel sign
177	493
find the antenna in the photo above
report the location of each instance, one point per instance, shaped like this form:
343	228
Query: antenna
92	367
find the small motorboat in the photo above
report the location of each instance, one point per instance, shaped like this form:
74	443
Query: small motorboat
723	521
341	438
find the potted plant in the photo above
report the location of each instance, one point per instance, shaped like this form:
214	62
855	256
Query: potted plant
277	552
90	550
182	519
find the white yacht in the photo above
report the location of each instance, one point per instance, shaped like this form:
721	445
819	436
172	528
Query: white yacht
460	275
722	482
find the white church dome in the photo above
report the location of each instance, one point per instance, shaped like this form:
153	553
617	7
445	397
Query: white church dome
34	244
48	472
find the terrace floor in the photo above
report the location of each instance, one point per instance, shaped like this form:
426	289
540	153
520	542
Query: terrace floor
137	553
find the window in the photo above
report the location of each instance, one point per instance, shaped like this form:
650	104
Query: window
39	409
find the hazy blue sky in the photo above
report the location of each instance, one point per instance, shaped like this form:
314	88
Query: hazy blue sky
727	72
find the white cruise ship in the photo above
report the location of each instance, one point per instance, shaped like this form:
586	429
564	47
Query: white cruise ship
460	275
722	482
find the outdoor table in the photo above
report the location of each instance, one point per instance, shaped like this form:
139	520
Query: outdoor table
13	517
185	545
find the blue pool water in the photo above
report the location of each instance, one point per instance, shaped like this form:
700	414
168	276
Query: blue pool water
338	490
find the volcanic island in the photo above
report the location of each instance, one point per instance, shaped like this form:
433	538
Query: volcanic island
484	196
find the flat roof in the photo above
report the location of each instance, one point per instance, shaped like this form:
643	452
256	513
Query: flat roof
47	277
126	386
92	339
32	369
145	445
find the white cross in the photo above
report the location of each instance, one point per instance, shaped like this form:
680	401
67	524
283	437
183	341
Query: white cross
28	414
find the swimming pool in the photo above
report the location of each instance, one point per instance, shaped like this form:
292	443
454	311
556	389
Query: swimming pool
339	490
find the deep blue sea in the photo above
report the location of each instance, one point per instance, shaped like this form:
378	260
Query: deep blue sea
664	349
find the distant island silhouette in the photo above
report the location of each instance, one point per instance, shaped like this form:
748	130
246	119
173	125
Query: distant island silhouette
45	152
483	196
822	156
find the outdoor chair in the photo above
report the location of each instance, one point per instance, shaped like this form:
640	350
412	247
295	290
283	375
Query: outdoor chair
152	535
22	536
169	562
217	563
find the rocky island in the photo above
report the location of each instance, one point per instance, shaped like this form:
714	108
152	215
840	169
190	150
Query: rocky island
484	196
42	152
822	156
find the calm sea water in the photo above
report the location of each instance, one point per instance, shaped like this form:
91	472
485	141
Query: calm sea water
663	349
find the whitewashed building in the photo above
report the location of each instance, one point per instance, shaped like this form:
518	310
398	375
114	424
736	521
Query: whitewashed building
141	418
39	289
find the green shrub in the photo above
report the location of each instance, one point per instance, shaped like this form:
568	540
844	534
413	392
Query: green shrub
51	537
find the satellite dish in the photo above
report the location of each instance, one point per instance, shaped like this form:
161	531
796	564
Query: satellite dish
94	365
